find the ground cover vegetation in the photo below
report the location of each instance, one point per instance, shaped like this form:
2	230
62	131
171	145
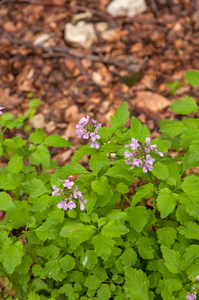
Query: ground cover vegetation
67	235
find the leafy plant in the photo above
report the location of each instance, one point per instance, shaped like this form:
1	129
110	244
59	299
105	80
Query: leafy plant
71	237
174	86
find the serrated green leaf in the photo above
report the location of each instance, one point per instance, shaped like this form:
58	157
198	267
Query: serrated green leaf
89	259
129	257
114	228
138	217
21	215
36	270
56	141
122	188
99	160
50	270
67	263
6	202
103	293
192	77
184	106
161	171
45	201
10	181
172	128
71	169
17	122
144	247
49	252
143	192
46	231
162	145
68	290
191	255
166	236
34	188
120	117
171	259
82	151
138	131
190	230
191	187
168	285
118	172
103	245
11	256
33	296
77	232
136	284
166	202
42	155
37	137
193	270
193	152
182	213
15	163
111	147
100	185
92	282
25	265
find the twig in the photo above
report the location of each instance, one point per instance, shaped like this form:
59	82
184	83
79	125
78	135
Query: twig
153	4
194	4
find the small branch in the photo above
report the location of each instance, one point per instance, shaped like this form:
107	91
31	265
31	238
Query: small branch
153	4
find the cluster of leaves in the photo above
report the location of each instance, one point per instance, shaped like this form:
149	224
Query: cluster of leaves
106	252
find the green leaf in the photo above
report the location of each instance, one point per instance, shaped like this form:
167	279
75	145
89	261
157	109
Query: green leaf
191	255
15	163
166	236
49	252
103	293
56	141
184	106
10	181
82	151
144	247
77	233
103	245
41	155
190	230
138	217
114	228
6	202
45	201
122	188
37	137
174	86
171	259
186	164
11	256
34	187
136	284
118	172
99	160
166	202
120	117
100	185
67	263
129	257
172	128
191	187
89	259
111	147
46	231
92	282
17	122
50	270
138	131
71	169
192	77
193	152
68	290
162	145
33	296
25	265
182	213
143	192
160	170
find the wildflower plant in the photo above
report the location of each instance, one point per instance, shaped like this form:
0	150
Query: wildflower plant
93	235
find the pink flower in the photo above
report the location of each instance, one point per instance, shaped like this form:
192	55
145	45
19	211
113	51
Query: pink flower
56	190
67	183
148	163
191	296
76	193
1	107
197	277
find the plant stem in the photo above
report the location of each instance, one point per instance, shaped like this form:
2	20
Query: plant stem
151	216
126	198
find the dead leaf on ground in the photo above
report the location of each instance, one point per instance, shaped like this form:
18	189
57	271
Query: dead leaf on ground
151	101
8	101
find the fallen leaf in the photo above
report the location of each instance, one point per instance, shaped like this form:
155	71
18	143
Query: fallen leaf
151	101
8	101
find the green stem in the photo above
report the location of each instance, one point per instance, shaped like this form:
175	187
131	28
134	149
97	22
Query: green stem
127	199
151	216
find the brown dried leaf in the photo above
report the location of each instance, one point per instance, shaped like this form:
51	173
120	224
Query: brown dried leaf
8	101
151	101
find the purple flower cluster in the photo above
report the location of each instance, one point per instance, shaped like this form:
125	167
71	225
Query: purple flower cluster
140	155
70	196
192	296
88	130
1	107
